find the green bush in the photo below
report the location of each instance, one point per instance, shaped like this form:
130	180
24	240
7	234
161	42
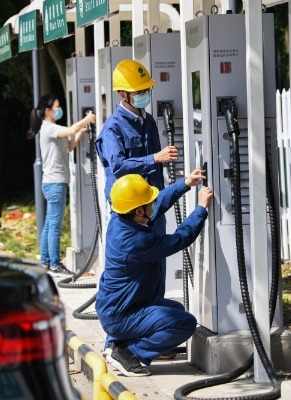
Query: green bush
18	231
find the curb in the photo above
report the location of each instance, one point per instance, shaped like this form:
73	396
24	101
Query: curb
105	385
286	390
115	388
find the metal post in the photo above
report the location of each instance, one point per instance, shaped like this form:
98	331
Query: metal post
257	170
229	5
289	31
99	41
205	6
37	166
153	14
114	31
186	13
137	20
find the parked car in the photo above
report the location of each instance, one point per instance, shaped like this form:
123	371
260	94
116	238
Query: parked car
32	335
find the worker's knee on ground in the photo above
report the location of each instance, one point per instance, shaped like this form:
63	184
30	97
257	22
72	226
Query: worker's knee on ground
188	324
192	323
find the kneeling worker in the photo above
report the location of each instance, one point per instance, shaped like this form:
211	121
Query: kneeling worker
143	325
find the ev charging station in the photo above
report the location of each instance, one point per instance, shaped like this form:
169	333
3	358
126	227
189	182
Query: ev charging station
80	94
160	54
108	58
216	73
216	47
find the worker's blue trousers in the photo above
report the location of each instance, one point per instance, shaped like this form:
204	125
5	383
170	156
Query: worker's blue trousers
153	330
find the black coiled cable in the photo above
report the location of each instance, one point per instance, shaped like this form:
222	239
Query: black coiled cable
275	393
167	112
181	392
68	282
274	228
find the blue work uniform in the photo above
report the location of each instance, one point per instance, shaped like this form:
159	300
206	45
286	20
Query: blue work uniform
128	303
127	146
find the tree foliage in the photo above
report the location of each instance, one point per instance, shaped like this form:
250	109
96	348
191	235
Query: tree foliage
282	45
15	98
15	73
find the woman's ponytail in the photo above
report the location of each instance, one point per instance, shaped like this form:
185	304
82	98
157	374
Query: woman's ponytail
37	114
35	123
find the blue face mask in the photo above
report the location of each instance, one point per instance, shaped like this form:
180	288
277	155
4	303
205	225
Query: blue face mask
142	100
58	113
154	209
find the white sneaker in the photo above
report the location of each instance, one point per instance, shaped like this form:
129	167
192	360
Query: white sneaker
60	270
108	351
126	363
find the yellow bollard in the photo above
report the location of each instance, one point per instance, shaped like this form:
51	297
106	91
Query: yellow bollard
96	363
115	388
99	368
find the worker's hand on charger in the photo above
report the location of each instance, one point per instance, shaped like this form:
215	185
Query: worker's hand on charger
204	196
169	153
195	178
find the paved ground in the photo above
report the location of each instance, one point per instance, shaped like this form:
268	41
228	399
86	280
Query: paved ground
166	376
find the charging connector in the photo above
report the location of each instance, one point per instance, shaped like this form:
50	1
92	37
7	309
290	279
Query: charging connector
223	103
162	104
228	108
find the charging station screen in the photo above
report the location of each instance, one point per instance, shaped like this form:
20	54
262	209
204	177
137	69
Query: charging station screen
196	100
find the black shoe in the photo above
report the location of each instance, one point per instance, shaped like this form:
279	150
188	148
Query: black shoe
123	360
60	270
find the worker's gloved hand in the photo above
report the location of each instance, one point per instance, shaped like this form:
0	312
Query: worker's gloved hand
195	178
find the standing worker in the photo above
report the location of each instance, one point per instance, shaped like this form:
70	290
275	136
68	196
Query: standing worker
56	142
129	140
142	324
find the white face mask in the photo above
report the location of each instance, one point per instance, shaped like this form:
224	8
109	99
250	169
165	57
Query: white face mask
141	100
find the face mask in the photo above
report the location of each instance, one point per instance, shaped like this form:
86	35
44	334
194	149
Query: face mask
141	100
154	207
58	113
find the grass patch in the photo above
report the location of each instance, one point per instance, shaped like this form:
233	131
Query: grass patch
286	293
18	231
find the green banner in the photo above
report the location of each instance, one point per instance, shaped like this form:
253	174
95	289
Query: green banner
27	39
5	43
54	20
90	10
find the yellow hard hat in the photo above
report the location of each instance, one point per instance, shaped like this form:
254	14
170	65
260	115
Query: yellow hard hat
131	76
131	191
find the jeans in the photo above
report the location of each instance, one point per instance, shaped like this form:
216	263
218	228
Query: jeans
55	195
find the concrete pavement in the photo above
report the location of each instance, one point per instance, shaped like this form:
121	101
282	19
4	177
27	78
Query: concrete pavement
166	376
